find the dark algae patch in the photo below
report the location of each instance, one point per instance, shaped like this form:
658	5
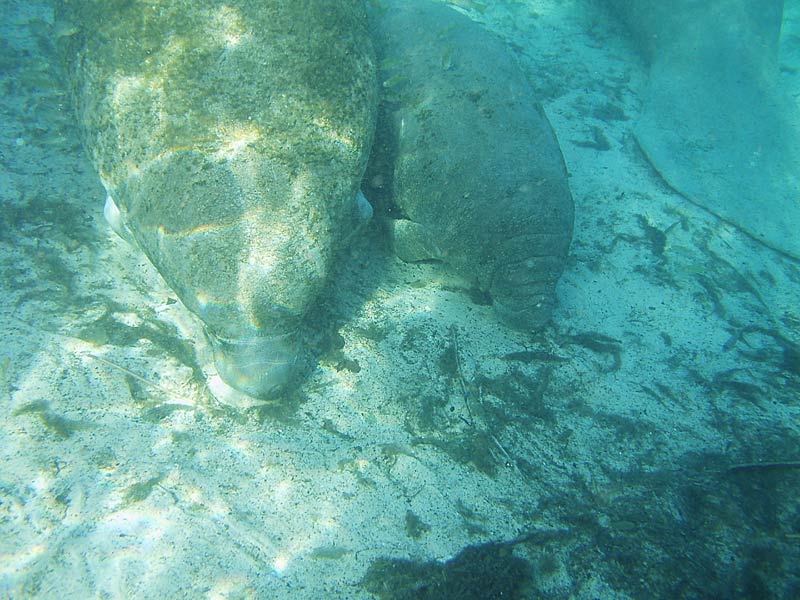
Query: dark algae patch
478	572
415	527
140	491
58	425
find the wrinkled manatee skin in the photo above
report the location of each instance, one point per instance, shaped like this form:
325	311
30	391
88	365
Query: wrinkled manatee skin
476	175
232	138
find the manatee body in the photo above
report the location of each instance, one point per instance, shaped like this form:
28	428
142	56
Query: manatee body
231	139
476	175
715	123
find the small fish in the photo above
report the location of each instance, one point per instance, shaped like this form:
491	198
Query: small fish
63	29
447	58
394	80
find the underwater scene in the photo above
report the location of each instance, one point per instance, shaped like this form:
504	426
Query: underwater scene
399	299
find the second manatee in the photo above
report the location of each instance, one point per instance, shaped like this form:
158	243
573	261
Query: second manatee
472	169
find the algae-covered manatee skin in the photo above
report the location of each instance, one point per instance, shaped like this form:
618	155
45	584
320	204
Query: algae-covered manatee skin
232	138
476	172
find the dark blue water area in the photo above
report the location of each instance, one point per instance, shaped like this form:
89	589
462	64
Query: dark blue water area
645	443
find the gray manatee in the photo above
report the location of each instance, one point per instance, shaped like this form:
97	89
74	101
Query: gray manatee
715	123
231	139
475	174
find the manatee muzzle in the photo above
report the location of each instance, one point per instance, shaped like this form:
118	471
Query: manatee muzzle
258	365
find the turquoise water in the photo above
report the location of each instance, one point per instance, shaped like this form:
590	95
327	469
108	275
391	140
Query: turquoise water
642	444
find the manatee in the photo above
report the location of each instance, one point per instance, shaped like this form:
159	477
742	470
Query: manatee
475	175
231	139
715	123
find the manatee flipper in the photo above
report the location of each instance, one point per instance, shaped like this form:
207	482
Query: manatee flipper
477	178
232	138
715	124
415	242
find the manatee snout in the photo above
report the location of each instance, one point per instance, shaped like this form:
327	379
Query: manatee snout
523	290
257	365
523	309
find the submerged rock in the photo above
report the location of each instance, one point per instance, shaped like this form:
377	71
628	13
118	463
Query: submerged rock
231	139
475	174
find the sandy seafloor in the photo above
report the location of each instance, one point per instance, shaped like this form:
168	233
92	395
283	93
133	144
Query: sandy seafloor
594	459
